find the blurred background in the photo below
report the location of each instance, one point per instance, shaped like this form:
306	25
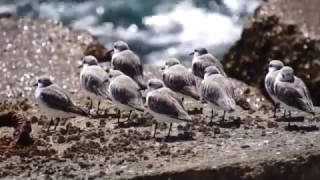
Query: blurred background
154	29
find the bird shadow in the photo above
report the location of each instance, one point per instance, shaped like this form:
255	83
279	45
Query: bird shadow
291	119
226	124
104	116
181	137
302	128
195	111
139	122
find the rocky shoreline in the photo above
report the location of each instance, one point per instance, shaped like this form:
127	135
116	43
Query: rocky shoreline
279	29
250	145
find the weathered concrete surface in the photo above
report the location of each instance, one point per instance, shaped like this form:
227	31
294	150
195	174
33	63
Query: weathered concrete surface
280	29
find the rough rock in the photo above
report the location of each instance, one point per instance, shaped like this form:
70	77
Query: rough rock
104	150
288	30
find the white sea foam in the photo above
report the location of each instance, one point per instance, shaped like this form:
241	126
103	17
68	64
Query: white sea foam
173	29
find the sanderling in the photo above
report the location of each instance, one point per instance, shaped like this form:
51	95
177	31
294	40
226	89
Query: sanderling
179	79
54	102
201	60
164	105
218	91
124	92
93	80
126	61
292	92
273	70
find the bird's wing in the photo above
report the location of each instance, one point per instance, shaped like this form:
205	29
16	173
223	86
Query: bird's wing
211	60
218	91
269	82
95	84
190	91
172	94
300	84
128	63
54	97
178	77
198	68
292	94
167	105
126	91
209	91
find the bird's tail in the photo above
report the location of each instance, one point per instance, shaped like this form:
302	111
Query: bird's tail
103	92
185	118
229	105
79	111
191	91
140	82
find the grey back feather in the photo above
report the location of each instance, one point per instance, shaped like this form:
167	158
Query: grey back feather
94	79
164	101
126	91
54	97
294	94
179	79
219	91
200	63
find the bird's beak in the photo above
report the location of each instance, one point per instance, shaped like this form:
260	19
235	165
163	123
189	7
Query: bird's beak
80	66
163	68
191	54
35	84
110	52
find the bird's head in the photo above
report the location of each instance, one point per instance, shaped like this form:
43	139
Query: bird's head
211	70
275	65
119	46
89	61
114	73
199	52
286	74
171	62
155	84
43	81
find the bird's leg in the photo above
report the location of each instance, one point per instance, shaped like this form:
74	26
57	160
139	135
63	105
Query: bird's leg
67	128
224	114
155	129
170	127
98	109
51	120
284	114
211	121
57	123
119	115
289	117
129	115
275	110
89	104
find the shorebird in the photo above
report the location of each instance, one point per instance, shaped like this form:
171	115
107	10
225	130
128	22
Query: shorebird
218	91
124	93
54	102
273	70
177	77
93	80
292	92
201	60
126	61
164	105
